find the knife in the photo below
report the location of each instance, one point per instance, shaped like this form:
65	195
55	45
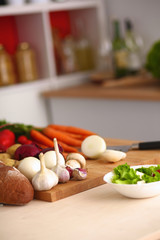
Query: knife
137	146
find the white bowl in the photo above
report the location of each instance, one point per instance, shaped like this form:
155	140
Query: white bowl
144	190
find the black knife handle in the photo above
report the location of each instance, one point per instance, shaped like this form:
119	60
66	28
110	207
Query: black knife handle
149	145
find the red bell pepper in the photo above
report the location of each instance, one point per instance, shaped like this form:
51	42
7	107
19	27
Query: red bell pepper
7	138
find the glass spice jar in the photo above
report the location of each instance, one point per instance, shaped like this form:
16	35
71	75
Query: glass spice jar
7	73
26	63
69	62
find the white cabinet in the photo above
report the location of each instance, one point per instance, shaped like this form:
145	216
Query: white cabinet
22	102
132	119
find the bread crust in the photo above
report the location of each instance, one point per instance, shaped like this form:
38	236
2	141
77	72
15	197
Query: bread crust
15	188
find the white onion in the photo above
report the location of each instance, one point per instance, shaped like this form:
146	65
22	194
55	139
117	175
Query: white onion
93	146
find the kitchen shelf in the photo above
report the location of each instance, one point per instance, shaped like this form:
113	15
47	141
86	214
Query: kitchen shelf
47	84
32	24
94	91
29	8
21	87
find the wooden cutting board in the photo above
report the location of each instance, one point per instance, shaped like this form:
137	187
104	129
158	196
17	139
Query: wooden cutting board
96	170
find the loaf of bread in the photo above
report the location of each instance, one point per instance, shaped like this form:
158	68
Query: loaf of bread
15	188
1	164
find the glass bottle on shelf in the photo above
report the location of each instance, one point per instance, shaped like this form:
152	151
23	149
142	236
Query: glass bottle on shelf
134	48
7	73
68	48
83	49
58	51
64	51
26	63
120	53
105	57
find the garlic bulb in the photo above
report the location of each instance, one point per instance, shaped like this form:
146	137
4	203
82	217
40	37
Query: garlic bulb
63	174
61	171
50	159
29	166
45	179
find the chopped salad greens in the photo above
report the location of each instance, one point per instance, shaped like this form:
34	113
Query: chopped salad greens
124	174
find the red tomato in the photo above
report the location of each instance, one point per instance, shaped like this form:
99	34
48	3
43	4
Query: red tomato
24	140
7	138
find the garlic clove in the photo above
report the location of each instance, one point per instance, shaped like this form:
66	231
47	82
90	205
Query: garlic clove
64	175
113	155
61	171
79	174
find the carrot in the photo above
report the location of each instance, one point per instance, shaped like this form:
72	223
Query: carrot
61	136
76	136
67	148
71	129
73	135
41	138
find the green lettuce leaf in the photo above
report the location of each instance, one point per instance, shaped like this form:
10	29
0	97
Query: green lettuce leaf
150	174
124	174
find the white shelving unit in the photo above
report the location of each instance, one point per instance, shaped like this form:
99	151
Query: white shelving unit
33	26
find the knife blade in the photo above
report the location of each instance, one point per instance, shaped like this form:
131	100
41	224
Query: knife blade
136	146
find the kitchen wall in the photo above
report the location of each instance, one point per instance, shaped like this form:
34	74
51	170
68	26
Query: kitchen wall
99	115
24	106
144	14
137	120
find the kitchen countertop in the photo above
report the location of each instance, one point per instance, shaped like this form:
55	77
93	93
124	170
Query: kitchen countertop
98	213
147	92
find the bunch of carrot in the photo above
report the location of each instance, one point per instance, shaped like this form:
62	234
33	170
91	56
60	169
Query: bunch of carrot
69	137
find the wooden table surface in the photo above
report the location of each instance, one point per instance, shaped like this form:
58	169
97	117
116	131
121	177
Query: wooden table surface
98	213
90	90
